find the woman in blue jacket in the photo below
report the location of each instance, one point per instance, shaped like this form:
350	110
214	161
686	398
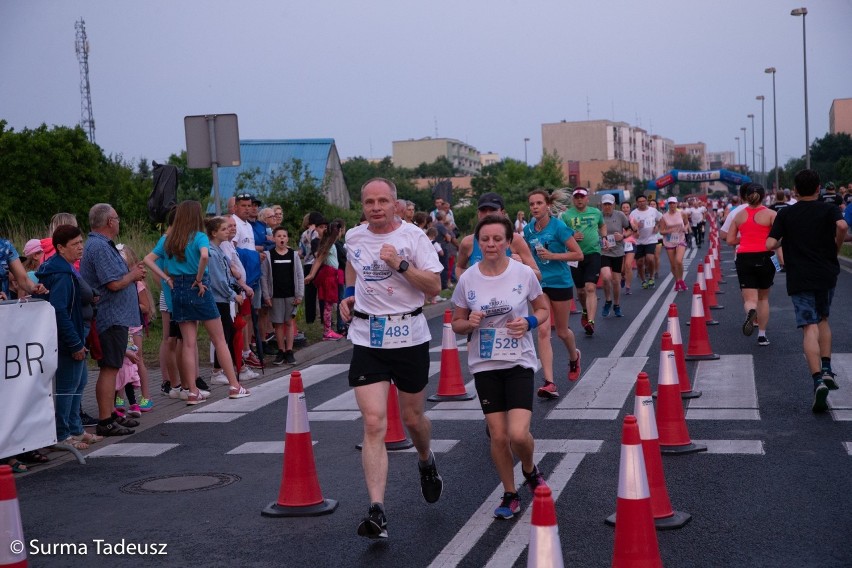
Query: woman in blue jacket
66	296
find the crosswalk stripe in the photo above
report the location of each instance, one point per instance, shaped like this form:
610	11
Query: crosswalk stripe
602	391
729	390
754	447
261	448
199	417
132	450
848	446
840	401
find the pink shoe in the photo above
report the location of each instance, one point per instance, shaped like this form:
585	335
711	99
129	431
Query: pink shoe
331	335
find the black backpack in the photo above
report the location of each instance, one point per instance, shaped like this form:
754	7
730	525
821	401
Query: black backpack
164	195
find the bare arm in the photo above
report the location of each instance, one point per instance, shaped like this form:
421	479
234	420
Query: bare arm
840	233
463	256
521	249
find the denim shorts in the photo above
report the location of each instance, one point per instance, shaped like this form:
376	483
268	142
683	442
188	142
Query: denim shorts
812	306
187	305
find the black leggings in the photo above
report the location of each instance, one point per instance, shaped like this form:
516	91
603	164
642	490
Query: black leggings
310	298
228	328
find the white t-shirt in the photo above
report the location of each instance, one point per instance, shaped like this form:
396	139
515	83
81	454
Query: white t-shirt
244	238
696	214
646	221
502	298
729	220
379	289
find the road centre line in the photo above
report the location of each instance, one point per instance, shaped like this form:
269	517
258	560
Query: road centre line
602	392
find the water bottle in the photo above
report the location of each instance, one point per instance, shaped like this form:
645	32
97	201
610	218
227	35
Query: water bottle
776	263
538	248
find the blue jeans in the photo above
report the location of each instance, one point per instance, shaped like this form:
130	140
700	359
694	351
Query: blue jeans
69	393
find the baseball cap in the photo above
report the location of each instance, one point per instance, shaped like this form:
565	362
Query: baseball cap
491	200
608	198
671	200
580	191
247	196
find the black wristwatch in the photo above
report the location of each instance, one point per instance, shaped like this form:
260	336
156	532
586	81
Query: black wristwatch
403	266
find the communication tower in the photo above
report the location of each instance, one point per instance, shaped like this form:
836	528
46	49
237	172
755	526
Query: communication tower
81	46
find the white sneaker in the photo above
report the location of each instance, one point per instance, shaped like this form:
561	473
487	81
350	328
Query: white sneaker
174	392
247	374
184	394
218	377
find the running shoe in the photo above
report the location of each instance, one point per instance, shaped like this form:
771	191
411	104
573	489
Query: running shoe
820	397
375	524
200	384
134	411
253	361
196	397
184	393
331	335
623	281
509	505
829	379
627	291
119	402
174	392
644	285
548	390
763	341
606	309
431	483
279	359
616	309
584	319
288	357
590	327
238	392
165	387
574	368
748	326
247	374
533	479
651	283
146	404
218	377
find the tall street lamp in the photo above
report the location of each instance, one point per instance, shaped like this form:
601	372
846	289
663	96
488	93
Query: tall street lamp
774	124
761	98
804	12
745	151
753	161
526	161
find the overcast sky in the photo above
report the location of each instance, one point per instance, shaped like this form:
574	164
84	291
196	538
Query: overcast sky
367	73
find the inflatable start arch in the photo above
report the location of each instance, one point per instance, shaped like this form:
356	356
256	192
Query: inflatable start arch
675	176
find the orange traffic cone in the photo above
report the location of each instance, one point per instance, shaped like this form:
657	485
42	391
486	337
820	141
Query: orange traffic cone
682	374
300	494
716	264
635	538
450	385
698	348
671	423
712	289
572	308
395	437
544	550
705	304
665	518
13	554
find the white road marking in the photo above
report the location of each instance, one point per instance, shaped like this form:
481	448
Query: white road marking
198	417
261	448
848	447
652	336
729	390
512	547
840	400
132	450
601	392
754	447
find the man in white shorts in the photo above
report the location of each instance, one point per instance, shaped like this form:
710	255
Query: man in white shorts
391	269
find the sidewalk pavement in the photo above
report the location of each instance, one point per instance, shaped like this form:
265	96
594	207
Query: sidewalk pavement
166	408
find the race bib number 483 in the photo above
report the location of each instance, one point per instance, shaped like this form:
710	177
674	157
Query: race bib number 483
389	332
496	344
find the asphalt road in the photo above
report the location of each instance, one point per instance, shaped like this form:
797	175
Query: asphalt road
781	497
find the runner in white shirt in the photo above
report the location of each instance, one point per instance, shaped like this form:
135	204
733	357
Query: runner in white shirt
492	307
697	220
643	221
391	268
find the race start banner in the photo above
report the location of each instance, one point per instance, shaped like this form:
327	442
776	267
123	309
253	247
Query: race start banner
29	351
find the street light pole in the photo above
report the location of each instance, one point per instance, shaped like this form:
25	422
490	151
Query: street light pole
804	12
761	98
745	150
774	124
737	138
526	161
753	161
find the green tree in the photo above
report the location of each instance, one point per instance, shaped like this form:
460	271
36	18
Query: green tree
613	178
843	170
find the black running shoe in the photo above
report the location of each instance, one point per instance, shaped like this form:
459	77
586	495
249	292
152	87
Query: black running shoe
375	524
288	357
431	484
820	398
748	326
165	388
88	420
199	382
533	479
829	379
113	429
280	359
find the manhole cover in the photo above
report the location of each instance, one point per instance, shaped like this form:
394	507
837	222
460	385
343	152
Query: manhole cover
182	483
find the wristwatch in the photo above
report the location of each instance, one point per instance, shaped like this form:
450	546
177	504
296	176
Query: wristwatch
403	266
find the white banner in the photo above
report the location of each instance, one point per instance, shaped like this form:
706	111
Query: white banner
28	355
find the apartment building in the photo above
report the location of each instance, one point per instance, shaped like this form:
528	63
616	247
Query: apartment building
840	116
411	153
